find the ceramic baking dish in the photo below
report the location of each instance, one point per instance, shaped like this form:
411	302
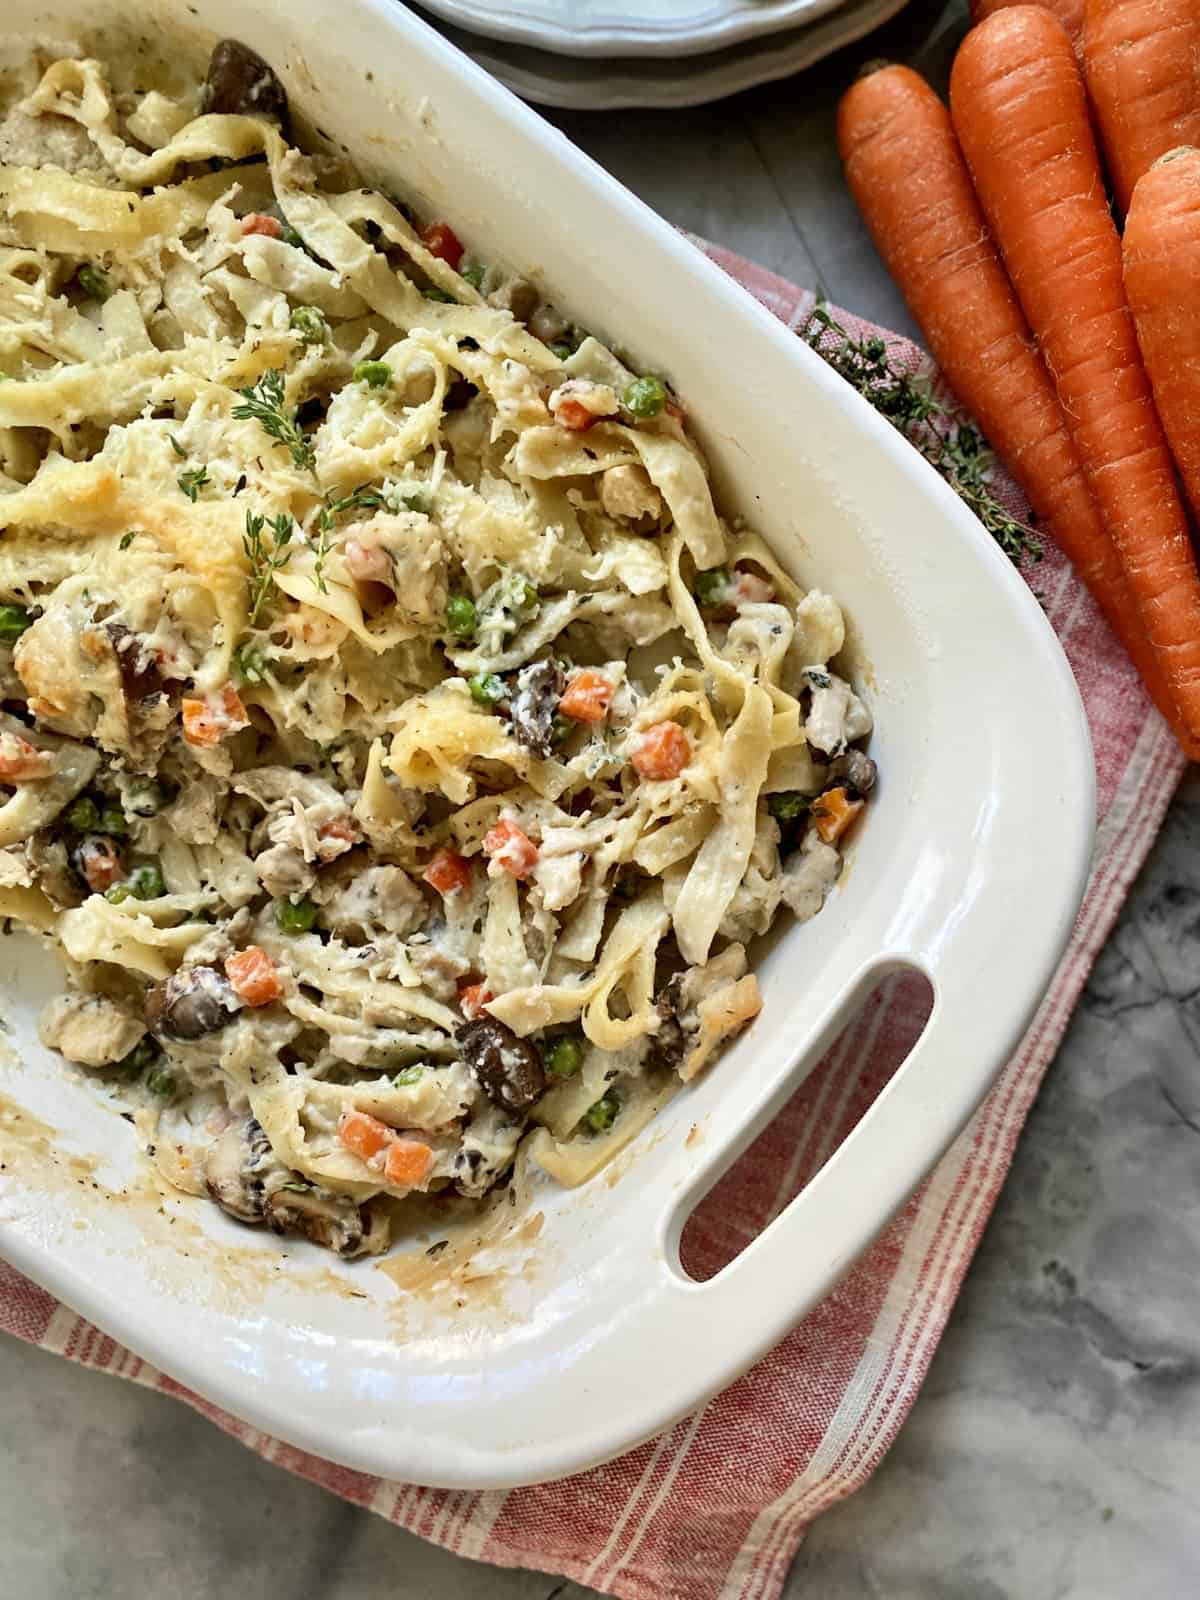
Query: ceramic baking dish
577	1334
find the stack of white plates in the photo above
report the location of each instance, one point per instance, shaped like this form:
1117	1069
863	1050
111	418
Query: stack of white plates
600	55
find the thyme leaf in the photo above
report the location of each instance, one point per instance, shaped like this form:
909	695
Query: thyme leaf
954	448
192	481
265	403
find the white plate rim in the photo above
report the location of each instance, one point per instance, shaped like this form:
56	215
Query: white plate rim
547	80
557	28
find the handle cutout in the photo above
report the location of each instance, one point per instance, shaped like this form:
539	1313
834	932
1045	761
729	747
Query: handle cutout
871	1048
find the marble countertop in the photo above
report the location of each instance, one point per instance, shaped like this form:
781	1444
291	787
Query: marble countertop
1054	1453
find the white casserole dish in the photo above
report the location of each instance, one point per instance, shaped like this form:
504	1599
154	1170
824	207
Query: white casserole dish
970	867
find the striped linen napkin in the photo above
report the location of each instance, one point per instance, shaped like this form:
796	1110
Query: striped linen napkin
715	1509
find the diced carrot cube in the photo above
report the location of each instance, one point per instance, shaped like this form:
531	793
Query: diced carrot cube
662	751
254	977
472	997
511	849
832	813
574	415
260	222
408	1163
100	862
448	872
337	836
362	1134
208	721
339	828
588	697
440	239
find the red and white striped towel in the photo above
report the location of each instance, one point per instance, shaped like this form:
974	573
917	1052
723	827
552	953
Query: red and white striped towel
716	1507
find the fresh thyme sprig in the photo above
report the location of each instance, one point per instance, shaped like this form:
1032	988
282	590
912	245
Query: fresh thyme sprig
265	403
264	562
955	448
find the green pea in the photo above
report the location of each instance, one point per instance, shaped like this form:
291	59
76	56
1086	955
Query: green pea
473	275
94	283
146	881
562	351
601	1116
112	820
645	397
309	323
295	916
83	816
375	374
528	599
787	806
409	1075
440	296
160	1083
139	1058
249	664
13	622
712	587
564	1056
487	688
118	894
461	616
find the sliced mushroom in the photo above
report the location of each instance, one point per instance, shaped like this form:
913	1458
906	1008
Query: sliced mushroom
191	1003
666	1046
140	678
534	706
236	1169
240	83
246	1179
856	770
333	1221
508	1070
488	1147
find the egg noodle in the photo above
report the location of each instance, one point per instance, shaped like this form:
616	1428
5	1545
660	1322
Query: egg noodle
397	746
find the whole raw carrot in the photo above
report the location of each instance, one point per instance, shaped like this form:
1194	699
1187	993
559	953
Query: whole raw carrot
1020	111
908	176
1142	59
1068	12
1162	279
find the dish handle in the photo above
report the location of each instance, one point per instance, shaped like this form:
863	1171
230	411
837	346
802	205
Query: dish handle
755	1300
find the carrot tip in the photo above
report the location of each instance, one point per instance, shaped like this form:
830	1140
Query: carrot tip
870	68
